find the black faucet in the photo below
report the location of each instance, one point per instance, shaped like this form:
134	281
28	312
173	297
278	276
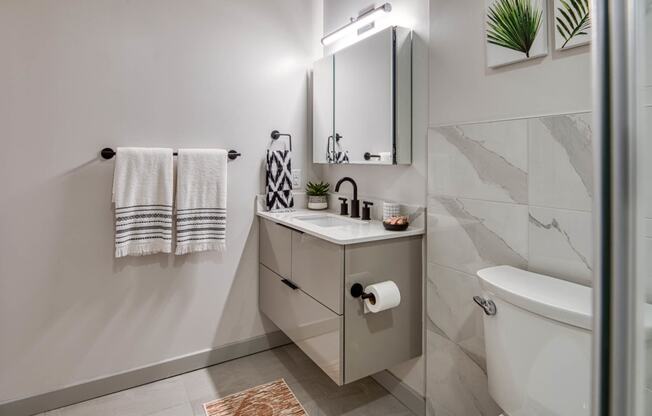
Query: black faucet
355	204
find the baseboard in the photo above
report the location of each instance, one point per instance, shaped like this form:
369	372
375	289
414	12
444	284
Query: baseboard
106	385
403	393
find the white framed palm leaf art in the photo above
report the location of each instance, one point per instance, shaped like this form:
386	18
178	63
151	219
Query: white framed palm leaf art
572	23
516	30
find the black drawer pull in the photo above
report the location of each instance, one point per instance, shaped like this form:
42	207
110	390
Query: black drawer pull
288	227
289	284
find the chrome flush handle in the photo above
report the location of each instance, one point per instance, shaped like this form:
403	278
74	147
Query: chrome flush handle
487	305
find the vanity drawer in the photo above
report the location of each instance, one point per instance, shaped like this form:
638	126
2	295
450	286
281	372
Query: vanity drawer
310	325
275	247
318	268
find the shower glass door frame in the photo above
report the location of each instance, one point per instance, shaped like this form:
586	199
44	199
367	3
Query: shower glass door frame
618	355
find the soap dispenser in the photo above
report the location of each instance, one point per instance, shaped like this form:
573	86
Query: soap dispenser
366	210
344	207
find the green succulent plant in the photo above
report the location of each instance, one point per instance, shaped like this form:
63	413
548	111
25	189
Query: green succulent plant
574	19
514	24
317	189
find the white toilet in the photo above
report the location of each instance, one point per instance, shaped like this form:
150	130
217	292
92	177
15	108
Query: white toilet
538	342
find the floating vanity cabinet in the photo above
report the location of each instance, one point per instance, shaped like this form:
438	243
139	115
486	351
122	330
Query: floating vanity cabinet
305	285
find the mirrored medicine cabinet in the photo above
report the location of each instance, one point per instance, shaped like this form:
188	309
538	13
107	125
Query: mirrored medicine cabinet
362	102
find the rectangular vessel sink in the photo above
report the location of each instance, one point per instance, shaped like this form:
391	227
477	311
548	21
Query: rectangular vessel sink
325	221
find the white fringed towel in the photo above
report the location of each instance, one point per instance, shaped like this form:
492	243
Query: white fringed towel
201	200
143	194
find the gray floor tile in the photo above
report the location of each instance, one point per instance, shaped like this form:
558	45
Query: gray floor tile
185	395
139	401
183	409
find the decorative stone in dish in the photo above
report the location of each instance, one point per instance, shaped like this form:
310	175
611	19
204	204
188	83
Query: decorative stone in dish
398	223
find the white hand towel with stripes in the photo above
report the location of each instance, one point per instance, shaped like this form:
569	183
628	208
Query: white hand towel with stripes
143	195
201	200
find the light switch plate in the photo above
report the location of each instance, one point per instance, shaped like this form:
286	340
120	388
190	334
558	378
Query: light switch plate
296	178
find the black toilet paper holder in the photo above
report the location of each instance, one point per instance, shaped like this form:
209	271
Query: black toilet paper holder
357	291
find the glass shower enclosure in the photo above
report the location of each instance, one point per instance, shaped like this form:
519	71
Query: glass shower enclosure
622	77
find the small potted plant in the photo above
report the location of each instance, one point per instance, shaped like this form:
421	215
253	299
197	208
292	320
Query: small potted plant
317	195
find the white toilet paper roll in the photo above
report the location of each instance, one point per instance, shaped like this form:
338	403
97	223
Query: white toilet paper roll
386	296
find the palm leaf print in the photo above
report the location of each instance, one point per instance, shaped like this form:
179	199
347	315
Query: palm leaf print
514	24
573	19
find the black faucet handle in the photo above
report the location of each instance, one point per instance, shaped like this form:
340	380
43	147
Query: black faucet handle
344	207
366	211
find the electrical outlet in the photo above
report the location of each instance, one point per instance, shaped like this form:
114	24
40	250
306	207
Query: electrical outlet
296	178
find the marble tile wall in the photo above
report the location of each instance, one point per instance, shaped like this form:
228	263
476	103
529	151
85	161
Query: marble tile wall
515	192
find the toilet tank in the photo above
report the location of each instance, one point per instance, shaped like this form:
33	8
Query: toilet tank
538	343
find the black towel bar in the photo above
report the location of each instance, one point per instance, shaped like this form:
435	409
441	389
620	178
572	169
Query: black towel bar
108	153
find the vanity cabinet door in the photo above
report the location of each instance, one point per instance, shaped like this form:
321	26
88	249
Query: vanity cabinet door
275	246
318	269
309	324
376	341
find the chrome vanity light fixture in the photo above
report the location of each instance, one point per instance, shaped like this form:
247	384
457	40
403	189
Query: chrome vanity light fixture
356	23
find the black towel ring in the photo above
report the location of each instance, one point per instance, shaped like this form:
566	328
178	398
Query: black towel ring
276	135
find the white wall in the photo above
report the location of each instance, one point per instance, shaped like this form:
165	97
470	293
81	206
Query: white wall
405	184
463	90
78	75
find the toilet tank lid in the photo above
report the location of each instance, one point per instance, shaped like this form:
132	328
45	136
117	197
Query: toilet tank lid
544	295
547	296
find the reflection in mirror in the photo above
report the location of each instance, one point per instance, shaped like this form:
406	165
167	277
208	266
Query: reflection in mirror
363	97
322	108
362	110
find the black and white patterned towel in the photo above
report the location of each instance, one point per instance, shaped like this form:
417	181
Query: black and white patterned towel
142	193
278	180
335	153
338	157
201	200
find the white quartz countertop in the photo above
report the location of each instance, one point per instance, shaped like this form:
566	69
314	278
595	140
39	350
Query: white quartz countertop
351	231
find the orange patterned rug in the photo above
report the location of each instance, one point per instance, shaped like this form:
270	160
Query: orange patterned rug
271	399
